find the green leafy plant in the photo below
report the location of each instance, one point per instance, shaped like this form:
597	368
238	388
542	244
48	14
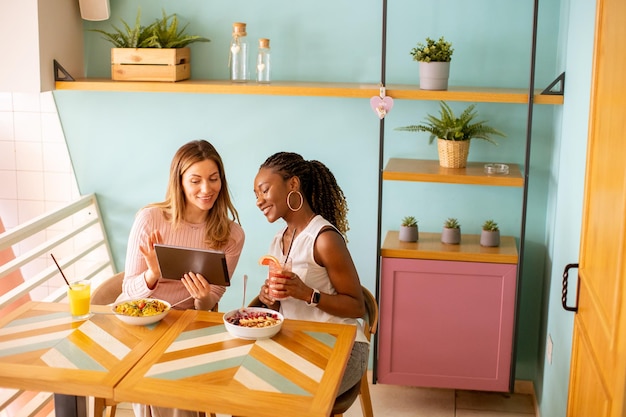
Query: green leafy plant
490	226
433	51
451	223
450	127
409	221
162	33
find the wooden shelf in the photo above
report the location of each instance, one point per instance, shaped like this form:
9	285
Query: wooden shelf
476	94
277	88
429	246
422	170
310	89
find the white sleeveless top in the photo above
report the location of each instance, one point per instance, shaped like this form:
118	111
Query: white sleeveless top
312	274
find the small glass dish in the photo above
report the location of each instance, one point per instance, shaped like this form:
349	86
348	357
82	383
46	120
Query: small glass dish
496	169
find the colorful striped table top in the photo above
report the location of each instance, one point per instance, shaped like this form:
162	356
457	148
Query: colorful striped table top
198	365
43	349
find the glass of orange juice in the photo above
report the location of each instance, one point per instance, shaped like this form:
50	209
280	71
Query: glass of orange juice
277	271
79	294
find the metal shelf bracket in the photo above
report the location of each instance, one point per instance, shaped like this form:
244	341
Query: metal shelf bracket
559	80
59	69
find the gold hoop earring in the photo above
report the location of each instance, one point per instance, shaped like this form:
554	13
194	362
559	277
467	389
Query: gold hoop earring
301	200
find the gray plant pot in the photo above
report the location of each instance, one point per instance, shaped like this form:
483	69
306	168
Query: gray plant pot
434	75
451	236
490	238
408	234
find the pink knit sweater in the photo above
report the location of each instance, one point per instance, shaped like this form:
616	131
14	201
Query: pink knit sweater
186	234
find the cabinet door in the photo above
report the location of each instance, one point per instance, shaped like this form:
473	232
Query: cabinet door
446	324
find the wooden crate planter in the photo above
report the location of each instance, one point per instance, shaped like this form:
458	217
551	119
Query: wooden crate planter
150	64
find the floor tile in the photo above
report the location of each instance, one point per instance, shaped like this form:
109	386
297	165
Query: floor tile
494	401
483	413
400	401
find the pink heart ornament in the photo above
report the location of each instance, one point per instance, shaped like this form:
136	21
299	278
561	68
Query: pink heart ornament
381	105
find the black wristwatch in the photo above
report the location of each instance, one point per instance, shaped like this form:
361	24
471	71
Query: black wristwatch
315	298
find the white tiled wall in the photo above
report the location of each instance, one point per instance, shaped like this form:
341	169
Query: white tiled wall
35	169
36	174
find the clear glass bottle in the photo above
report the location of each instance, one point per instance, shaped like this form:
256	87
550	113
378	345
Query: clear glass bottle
263	61
238	58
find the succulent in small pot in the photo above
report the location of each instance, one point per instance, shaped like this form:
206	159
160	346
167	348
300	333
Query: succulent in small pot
408	230
451	233
490	234
434	58
433	51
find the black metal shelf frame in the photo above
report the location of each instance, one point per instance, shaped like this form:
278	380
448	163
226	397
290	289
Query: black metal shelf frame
529	124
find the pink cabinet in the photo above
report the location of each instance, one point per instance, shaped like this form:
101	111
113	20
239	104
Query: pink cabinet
446	324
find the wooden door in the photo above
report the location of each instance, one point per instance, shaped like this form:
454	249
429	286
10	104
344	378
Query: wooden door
598	369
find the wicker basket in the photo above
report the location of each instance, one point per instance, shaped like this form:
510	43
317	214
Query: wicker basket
452	153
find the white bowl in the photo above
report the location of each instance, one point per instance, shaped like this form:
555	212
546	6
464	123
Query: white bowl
141	320
252	333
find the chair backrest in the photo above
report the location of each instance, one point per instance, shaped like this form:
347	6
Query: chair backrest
370	320
108	291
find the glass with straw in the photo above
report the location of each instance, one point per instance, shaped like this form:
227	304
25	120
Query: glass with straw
278	271
79	295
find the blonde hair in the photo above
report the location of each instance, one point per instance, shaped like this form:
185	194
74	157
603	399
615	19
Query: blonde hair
173	208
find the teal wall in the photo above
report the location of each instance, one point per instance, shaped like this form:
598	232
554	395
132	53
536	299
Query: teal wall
564	212
121	143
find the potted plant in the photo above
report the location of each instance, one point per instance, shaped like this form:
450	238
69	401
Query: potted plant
157	52
490	234
408	230
454	133
434	58
451	233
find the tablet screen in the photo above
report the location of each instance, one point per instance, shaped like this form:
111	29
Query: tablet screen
176	261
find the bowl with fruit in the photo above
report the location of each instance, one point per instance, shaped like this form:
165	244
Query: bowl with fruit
253	323
141	311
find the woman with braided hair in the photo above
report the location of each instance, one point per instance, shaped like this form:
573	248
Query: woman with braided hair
323	284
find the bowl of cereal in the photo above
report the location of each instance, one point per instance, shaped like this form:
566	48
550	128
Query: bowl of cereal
141	311
253	323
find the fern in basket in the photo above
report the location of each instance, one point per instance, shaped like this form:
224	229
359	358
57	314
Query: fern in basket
449	127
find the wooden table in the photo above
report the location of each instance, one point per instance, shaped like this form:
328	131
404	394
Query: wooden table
197	365
188	361
43	349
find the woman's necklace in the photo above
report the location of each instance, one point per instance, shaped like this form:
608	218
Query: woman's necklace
293	236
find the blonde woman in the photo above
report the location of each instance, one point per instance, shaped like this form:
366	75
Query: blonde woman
197	212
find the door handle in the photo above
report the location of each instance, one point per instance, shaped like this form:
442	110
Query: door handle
564	289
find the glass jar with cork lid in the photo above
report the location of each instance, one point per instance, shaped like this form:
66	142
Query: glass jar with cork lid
238	54
263	62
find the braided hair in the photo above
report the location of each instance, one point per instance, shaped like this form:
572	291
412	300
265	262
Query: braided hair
318	186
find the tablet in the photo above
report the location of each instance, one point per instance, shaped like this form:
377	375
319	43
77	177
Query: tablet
176	261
